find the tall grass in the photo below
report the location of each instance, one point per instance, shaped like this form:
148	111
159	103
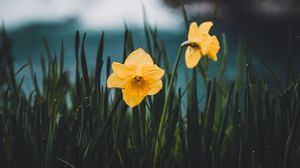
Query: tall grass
81	123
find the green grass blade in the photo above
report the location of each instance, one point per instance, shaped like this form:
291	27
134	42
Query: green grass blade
84	66
99	61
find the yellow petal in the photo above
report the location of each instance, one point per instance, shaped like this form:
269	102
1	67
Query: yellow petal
122	71
192	56
131	100
155	87
114	81
205	27
152	72
205	43
139	58
194	35
213	49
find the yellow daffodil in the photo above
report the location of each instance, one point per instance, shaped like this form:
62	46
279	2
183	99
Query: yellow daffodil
200	43
137	77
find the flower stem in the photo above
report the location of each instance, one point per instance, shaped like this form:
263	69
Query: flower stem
161	137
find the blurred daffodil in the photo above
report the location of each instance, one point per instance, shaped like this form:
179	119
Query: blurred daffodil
200	43
137	77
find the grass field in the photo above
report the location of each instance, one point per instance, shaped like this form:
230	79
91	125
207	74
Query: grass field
239	123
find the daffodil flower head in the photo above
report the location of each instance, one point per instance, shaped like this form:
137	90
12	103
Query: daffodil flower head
200	43
137	77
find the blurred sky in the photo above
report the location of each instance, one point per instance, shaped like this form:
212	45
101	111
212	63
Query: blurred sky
93	14
90	14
